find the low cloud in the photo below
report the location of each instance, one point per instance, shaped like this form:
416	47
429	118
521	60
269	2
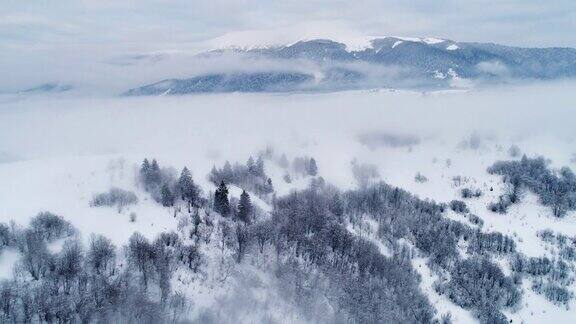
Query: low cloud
495	68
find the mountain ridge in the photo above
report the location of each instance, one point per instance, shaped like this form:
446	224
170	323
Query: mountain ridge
426	62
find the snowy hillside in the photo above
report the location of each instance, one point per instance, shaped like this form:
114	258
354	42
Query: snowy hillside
327	236
271	162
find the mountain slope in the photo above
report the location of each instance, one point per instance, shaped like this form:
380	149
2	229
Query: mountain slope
242	82
389	62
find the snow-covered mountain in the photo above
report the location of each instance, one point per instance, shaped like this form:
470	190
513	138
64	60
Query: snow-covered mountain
393	62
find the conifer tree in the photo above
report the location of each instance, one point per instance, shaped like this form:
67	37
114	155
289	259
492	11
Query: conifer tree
145	168
155	177
251	165
245	208
188	189
167	196
221	203
312	167
145	173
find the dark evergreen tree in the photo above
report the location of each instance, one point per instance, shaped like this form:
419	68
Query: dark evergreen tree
167	196
145	173
184	182
221	203
155	174
150	175
145	168
312	167
251	165
245	208
188	190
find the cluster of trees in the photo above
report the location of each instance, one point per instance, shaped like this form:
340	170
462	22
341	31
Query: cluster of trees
32	242
51	227
421	222
166	189
554	275
548	236
459	206
97	284
403	215
501	205
151	176
470	193
157	181
318	260
243	211
536	266
420	178
305	166
156	261
103	284
555	293
321	266
474	219
251	176
565	244
114	197
478	284
493	242
310	225
365	285
364	173
550	277
555	189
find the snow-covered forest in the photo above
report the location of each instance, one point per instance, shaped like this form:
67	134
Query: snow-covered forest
363	207
260	161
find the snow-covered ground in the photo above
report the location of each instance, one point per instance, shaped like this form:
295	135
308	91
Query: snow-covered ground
57	152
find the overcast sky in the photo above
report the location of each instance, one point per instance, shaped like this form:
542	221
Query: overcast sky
115	22
56	31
